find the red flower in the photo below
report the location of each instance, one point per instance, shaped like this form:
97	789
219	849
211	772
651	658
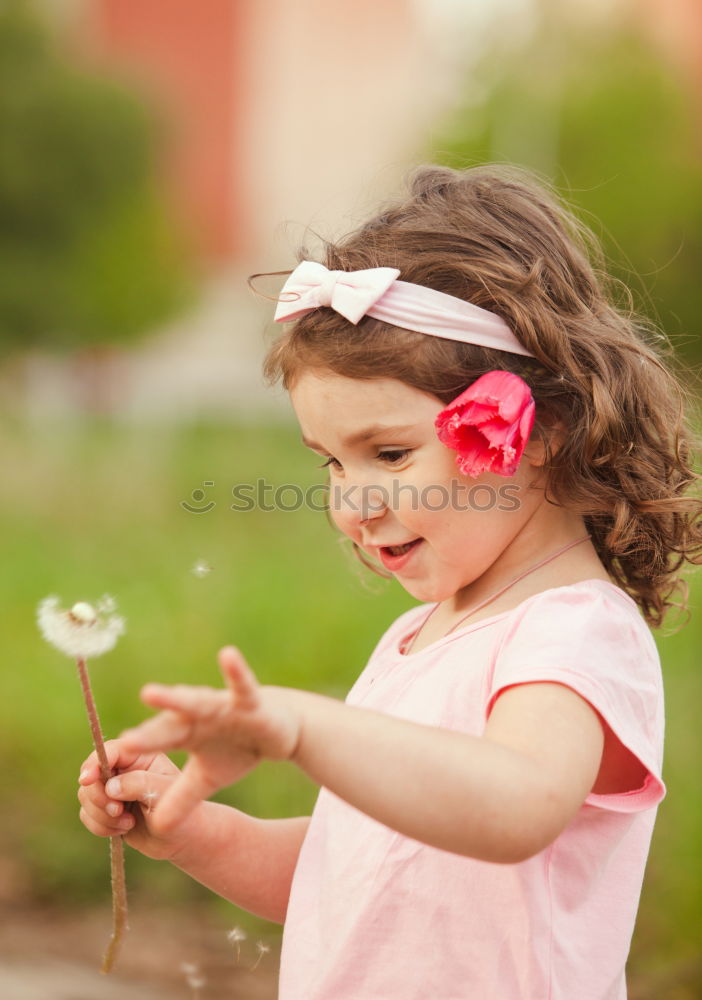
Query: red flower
489	424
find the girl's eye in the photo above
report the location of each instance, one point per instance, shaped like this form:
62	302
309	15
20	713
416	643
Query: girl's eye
394	456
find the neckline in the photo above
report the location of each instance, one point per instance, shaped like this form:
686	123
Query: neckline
407	637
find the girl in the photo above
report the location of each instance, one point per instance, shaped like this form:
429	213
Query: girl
510	447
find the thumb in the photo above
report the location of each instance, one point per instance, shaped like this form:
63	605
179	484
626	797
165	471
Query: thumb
239	677
180	798
144	787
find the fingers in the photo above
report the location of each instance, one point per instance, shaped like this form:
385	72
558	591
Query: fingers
90	768
138	786
166	731
108	828
198	701
239	677
118	758
180	798
103	811
205	702
101	814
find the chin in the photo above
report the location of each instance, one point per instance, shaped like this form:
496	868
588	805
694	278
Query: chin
425	592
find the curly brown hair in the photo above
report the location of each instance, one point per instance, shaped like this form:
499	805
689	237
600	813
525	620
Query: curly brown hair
501	238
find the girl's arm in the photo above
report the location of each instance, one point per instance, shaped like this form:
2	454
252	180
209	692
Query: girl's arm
501	797
246	860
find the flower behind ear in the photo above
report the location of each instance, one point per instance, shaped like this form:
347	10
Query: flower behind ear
489	424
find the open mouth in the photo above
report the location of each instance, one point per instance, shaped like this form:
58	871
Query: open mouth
399	550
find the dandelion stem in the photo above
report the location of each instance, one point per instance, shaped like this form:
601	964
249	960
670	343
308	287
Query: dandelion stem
118	881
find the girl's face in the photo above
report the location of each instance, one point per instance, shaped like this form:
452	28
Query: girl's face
394	484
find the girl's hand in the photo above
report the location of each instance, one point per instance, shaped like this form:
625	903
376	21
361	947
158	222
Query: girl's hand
227	733
126	804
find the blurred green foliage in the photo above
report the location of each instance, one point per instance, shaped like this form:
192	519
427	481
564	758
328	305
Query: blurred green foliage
599	114
98	509
88	252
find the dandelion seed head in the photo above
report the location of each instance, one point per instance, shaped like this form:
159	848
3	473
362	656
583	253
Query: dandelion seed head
83	613
82	631
236	934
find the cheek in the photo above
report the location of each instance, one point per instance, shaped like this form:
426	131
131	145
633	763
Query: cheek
464	514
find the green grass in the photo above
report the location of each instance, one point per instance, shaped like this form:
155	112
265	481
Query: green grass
97	508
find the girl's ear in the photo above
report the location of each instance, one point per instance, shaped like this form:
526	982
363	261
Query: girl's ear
535	451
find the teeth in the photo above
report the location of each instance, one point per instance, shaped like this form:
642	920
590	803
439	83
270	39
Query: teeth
398	550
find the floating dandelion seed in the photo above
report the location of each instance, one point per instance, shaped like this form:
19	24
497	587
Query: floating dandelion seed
193	976
201	569
81	632
263	949
149	799
236	936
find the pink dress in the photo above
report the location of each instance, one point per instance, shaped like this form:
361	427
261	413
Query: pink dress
375	915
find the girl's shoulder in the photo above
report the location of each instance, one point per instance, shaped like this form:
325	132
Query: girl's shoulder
591	629
593	609
591	637
583	593
588	600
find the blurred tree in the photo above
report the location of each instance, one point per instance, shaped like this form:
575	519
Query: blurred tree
88	253
600	115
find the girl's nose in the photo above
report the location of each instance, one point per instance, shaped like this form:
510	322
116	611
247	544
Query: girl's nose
373	503
353	505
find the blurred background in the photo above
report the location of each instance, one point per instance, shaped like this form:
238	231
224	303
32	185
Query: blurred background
153	154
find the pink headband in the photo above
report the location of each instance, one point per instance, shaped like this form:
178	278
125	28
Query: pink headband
376	292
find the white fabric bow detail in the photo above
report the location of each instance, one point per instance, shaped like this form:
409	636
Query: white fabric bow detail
350	293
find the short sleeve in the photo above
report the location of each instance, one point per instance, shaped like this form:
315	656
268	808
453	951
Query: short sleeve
591	638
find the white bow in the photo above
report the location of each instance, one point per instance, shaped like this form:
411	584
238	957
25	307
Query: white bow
350	293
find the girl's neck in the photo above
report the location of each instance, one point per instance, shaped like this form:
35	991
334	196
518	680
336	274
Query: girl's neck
580	562
538	576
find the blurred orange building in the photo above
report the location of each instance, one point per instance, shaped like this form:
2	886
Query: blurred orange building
189	60
278	110
272	112
677	27
273	109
